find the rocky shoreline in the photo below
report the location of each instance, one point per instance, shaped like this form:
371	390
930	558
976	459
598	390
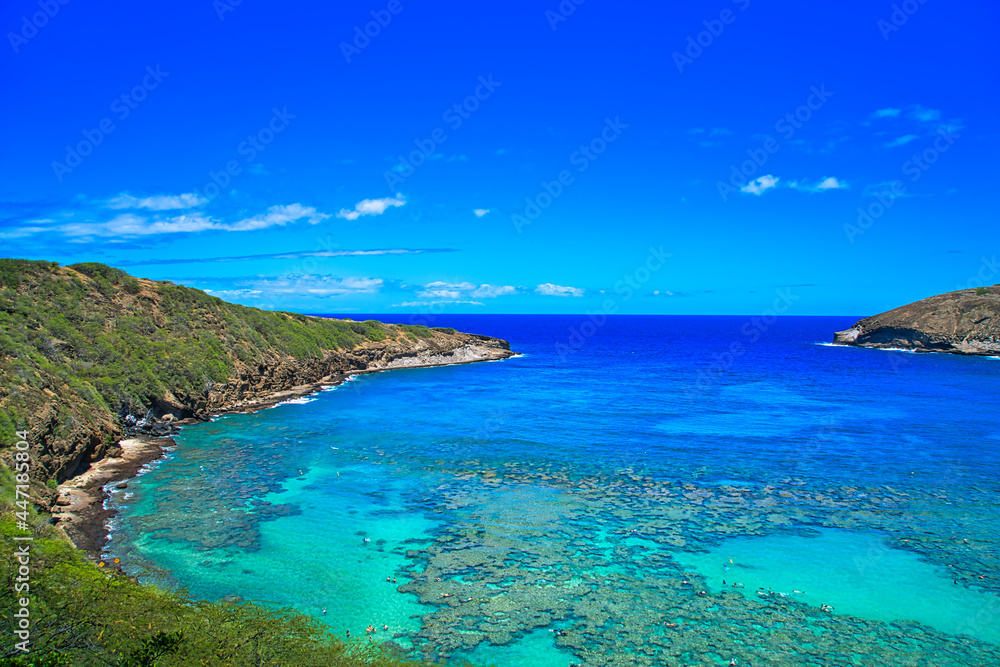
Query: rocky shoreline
81	510
964	322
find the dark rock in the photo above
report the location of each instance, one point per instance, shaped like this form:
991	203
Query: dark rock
963	322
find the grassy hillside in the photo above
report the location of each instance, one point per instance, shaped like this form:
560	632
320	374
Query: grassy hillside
82	615
82	346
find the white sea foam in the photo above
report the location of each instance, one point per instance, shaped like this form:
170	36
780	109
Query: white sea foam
884	349
302	400
332	387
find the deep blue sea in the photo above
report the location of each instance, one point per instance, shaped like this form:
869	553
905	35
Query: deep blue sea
642	490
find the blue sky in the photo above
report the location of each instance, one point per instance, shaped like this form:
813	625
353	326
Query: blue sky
535	157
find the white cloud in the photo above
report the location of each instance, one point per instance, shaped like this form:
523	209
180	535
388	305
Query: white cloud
761	185
900	141
419	304
887	113
492	291
827	183
129	224
480	212
22	232
765	183
315	285
924	115
371	207
548	289
233	293
158	202
280	216
350	253
87	224
831	183
443	290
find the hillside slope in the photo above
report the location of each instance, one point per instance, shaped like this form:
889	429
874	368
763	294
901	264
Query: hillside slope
89	353
963	322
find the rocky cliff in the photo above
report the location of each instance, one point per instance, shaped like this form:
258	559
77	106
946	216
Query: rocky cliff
963	322
89	354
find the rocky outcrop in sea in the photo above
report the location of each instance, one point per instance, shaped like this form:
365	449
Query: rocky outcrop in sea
962	322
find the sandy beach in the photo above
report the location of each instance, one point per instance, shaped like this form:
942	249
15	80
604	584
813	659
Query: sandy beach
80	511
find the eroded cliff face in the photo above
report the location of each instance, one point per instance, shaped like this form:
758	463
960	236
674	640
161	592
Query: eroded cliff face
65	452
255	385
963	322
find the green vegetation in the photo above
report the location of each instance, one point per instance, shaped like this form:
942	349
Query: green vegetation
103	342
84	615
983	290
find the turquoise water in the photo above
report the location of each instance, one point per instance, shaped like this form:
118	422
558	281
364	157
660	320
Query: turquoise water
855	574
546	510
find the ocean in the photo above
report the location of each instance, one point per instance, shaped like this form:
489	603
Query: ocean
648	490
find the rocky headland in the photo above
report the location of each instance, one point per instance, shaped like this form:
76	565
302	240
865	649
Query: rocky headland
99	367
962	322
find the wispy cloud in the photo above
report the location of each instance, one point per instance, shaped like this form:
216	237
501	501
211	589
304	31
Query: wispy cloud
303	285
924	115
464	290
900	141
288	255
709	137
372	207
147	219
279	216
759	186
427	304
920	119
890	189
548	289
768	182
826	184
130	224
711	132
480	212
157	202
